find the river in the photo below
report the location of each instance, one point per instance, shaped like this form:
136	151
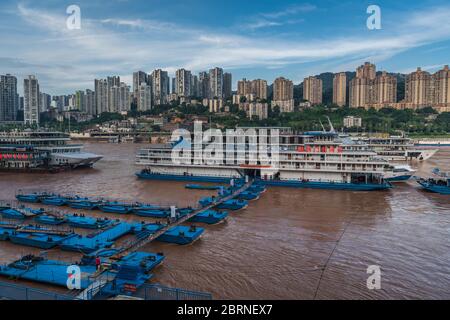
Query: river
289	244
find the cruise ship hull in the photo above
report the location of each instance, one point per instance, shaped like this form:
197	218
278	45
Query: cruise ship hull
279	183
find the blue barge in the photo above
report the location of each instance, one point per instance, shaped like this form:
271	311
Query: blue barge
6	230
39	269
278	183
151	211
84	204
20	213
233	204
54	200
209	217
81	221
181	235
202	187
116	207
50	219
39	237
99	240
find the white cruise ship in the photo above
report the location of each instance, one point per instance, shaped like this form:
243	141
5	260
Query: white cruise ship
397	148
316	159
55	144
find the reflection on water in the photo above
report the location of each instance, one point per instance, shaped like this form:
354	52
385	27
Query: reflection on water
278	247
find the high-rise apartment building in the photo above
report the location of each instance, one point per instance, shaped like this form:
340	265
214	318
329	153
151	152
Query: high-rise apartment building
101	96
89	102
384	89
442	87
369	90
9	99
203	85
419	88
216	83
227	85
183	83
138	78
257	88
283	94
80	101
312	90
31	100
144	97
340	89
160	87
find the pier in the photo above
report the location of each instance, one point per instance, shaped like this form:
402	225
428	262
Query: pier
135	245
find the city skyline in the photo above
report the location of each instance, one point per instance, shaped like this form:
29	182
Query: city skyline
274	39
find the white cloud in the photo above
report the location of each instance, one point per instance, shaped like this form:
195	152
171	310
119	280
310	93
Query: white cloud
63	58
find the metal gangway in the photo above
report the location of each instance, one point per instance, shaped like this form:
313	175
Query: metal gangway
142	241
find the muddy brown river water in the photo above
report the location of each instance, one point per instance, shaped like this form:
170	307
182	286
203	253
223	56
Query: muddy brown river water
289	244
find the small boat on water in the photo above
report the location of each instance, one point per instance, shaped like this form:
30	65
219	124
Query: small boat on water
29	197
6	230
50	219
20	213
181	235
35	236
116	207
400	173
202	187
81	221
233	204
85	204
209	217
54	200
440	184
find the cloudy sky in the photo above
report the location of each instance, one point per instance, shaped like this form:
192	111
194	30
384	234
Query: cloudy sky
250	38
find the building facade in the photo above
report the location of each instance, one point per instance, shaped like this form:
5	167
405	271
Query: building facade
31	100
216	83
340	89
9	99
283	94
312	90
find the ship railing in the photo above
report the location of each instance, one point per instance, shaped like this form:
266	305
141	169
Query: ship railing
12	291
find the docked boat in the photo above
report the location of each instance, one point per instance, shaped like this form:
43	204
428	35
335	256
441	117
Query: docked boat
209	217
397	148
151	212
116	207
20	213
54	200
50	219
440	183
29	197
6	230
85	204
233	204
81	221
401	173
35	236
318	159
202	187
34	149
181	235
